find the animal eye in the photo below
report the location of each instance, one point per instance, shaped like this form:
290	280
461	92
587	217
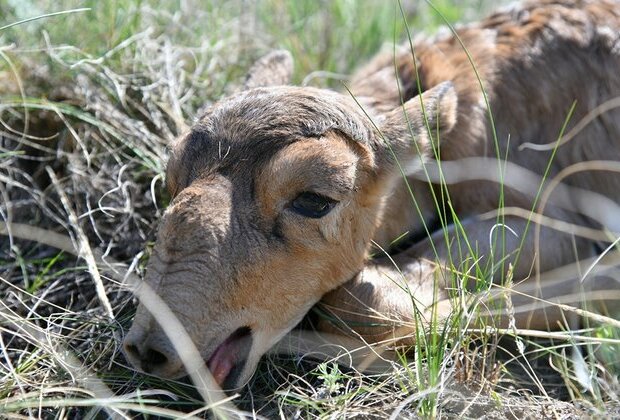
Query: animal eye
312	205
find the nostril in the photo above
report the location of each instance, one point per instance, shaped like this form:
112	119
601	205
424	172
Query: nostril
147	359
154	358
151	352
132	351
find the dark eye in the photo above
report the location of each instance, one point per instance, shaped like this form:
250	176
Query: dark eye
312	205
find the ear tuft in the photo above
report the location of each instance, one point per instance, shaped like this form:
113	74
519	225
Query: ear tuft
432	113
446	102
435	108
273	69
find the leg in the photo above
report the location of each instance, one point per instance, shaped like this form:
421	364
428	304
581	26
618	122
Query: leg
380	302
381	298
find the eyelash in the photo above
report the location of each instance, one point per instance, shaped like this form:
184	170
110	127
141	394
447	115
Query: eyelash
312	205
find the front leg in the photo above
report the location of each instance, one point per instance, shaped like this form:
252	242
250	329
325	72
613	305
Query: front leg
379	301
408	289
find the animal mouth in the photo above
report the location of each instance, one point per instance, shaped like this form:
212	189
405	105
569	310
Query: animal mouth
228	359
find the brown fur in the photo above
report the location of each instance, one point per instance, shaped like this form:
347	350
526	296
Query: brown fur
232	252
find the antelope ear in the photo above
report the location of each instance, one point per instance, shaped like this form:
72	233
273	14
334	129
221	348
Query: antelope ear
273	69
426	116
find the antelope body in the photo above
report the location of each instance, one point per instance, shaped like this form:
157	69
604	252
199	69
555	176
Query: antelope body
280	192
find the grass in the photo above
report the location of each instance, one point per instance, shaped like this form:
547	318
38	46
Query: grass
89	100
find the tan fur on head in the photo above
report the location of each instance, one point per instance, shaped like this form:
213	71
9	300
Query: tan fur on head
279	191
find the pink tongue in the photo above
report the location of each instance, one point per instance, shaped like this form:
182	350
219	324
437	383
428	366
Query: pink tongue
222	361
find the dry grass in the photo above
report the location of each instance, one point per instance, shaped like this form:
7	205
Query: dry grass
89	101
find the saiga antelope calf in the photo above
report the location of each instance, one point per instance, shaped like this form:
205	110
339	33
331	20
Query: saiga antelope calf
279	192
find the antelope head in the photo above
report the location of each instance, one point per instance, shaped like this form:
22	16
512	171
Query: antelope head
277	191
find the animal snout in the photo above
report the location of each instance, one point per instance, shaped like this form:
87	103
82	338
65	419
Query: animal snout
152	352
